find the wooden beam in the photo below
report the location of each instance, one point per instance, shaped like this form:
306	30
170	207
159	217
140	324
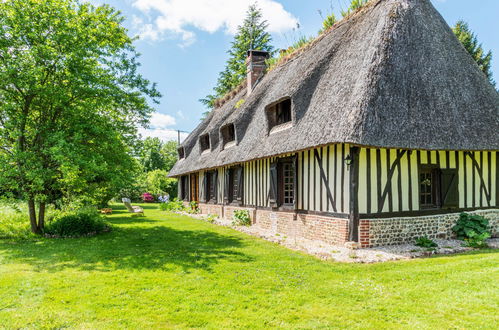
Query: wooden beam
353	227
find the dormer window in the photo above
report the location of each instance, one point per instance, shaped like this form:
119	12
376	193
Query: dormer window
204	142
279	113
228	135
181	153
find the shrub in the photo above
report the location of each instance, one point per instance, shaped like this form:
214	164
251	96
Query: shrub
425	242
469	226
14	223
83	222
477	240
194	207
241	218
147	197
174	205
211	218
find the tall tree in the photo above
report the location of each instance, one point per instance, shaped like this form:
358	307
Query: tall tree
471	44
70	96
251	35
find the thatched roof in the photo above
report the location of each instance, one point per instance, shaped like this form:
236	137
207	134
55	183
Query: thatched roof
392	75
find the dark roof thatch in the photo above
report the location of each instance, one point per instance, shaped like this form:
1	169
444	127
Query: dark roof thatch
392	75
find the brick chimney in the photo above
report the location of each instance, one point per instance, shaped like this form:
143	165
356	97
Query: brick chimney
255	63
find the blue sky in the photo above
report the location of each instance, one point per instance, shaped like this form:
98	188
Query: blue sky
184	42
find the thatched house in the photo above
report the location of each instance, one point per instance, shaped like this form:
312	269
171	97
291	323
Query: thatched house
382	130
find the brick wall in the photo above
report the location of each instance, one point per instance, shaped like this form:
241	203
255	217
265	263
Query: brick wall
211	209
392	231
229	212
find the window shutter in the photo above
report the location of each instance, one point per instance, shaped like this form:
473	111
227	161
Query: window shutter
449	188
295	182
215	185
204	191
227	185
240	188
273	184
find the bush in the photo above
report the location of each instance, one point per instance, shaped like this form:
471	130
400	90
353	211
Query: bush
147	197
14	222
425	242
174	205
194	207
468	226
83	222
211	218
241	218
477	240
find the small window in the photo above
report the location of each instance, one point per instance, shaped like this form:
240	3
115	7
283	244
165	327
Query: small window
181	153
204	142
282	183
279	113
228	135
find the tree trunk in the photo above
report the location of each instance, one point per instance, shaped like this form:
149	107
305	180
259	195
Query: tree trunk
41	217
32	216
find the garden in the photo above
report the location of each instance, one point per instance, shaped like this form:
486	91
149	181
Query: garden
170	270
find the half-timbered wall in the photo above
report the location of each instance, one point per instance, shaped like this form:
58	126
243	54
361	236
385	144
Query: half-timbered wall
389	178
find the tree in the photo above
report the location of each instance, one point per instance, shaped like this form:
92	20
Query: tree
151	157
70	97
251	35
470	43
170	154
158	183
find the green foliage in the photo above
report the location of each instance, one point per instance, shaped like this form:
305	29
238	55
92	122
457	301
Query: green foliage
139	275
158	183
328	22
83	222
301	42
14	222
211	218
470	226
354	5
251	35
425	242
478	241
175	205
474	48
194	207
71	97
241	218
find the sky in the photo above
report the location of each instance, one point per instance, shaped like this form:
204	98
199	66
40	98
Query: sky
184	43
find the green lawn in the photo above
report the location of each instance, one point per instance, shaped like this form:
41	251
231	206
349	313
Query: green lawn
167	270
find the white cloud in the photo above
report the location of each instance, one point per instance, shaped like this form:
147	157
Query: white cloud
176	18
164	134
160	127
159	120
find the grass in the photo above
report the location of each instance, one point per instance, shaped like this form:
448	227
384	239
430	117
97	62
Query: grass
167	270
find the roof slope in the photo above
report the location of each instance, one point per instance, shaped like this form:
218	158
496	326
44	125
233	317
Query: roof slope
392	75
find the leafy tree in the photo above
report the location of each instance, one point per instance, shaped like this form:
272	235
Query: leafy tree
470	43
170	154
70	96
158	183
151	157
251	35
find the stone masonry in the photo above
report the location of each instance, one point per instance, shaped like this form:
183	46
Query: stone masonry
391	231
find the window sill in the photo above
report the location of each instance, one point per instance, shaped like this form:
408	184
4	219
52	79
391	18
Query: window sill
280	128
229	145
205	152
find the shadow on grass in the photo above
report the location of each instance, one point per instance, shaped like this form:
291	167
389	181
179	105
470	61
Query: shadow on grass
137	247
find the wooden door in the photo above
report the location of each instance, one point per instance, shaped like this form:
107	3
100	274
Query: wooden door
194	187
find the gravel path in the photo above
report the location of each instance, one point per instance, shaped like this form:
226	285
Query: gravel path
342	254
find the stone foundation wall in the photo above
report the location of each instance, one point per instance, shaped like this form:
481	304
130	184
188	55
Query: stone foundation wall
229	212
214	209
392	231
